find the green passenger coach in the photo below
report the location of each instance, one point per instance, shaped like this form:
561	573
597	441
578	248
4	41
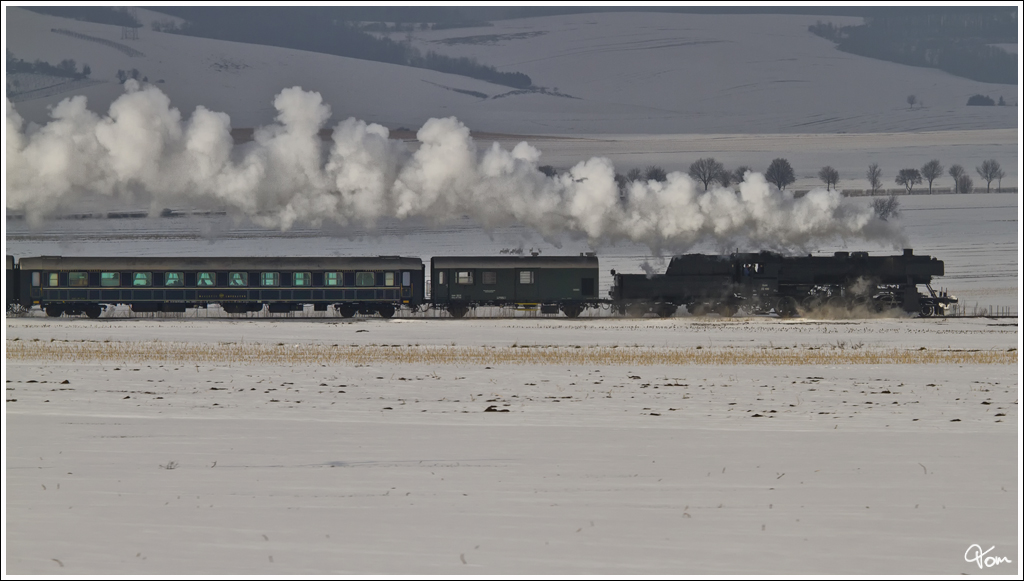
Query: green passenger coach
566	283
73	286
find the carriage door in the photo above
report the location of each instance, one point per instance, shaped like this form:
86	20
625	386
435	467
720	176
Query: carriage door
440	286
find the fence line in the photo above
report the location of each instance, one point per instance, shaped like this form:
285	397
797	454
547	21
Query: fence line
114	45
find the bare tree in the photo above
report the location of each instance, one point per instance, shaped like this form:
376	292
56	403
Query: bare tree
706	170
780	173
550	171
724	178
955	171
655	173
908	177
886	208
964	184
989	171
911	99
931	171
739	173
829	175
874	177
1000	176
635	174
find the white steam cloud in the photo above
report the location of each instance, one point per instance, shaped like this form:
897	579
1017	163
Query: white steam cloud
143	148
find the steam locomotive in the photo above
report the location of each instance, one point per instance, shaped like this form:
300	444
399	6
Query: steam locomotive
759	283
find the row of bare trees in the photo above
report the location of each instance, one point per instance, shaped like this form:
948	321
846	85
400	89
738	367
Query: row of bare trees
780	173
989	170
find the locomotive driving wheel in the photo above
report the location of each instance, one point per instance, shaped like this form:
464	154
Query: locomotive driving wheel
665	310
786	307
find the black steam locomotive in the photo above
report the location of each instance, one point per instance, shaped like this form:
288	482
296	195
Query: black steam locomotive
759	283
765	282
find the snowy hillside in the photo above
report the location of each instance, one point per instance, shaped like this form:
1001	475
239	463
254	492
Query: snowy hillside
618	73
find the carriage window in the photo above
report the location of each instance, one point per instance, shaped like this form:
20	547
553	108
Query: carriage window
238	278
53	279
35	279
364	279
78	279
110	279
407	278
331	279
464	277
526	277
389	279
440	277
174	279
489	277
142	279
270	279
301	279
204	279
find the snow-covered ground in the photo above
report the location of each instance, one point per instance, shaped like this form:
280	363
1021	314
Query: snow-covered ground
188	461
637	73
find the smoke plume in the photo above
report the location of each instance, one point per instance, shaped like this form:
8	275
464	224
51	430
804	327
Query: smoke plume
144	150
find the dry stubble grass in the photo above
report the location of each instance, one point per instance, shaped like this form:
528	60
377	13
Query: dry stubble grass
320	354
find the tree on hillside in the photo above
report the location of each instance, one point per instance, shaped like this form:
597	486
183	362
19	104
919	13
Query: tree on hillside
635	174
874	177
955	171
931	171
724	177
705	170
989	171
911	100
655	173
550	171
886	208
964	184
908	177
739	173
780	173
1000	176
829	175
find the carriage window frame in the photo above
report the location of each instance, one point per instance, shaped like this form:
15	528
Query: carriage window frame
142	279
489	277
464	277
270	279
365	279
526	277
332	278
301	279
109	279
389	279
78	279
54	279
238	278
206	278
440	277
174	278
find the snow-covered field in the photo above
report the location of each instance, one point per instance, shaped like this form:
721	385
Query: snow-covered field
200	464
637	73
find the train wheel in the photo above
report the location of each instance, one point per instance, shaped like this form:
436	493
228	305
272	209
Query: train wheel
572	311
458	311
386	311
636	310
93	311
347	311
786	307
727	310
54	310
665	310
927	310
